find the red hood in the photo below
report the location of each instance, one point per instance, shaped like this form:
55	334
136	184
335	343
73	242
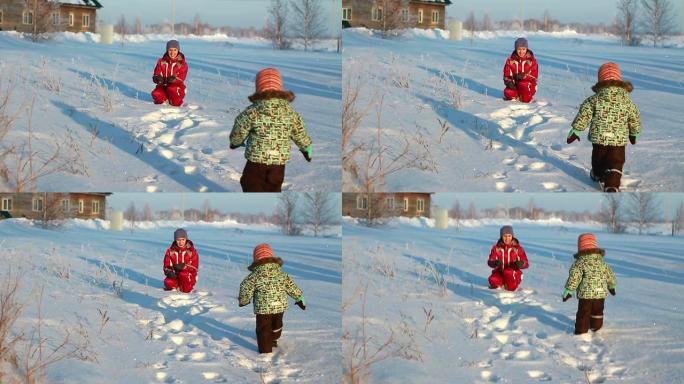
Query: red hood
180	58
514	56
500	243
188	245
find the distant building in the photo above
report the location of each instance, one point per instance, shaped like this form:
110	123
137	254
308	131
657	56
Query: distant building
53	205
49	15
407	204
426	14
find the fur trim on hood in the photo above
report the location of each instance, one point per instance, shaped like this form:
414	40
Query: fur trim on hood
266	260
591	251
285	95
613	83
180	58
188	245
501	243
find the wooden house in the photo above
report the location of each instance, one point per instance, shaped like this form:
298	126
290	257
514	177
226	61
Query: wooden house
407	204
49	205
49	15
390	14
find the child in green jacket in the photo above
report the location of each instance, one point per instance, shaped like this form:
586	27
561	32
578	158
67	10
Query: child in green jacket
266	128
592	278
613	119
268	287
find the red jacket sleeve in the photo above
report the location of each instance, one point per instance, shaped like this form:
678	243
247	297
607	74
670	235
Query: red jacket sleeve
534	73
492	257
193	263
523	256
183	71
508	70
157	68
167	261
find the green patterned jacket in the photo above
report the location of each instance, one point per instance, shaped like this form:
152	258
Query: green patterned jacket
268	287
268	125
590	275
610	113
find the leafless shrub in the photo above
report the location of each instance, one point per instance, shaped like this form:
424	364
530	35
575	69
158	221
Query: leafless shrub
364	351
50	79
104	318
354	111
26	356
10	311
429	316
433	272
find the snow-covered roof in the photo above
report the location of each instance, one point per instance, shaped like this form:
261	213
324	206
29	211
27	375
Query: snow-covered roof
86	3
445	2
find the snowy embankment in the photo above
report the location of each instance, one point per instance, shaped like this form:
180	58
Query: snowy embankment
108	286
445	97
93	111
425	291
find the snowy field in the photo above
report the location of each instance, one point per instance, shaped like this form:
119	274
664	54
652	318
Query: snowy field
141	334
447	97
430	288
93	101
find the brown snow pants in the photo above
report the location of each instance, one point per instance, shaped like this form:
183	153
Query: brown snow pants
589	315
268	330
262	178
607	162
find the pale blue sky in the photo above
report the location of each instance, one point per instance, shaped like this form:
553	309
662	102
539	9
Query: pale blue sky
226	202
237	13
593	11
578	201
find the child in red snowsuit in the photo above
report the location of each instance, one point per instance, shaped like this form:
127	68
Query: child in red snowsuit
181	263
520	73
169	75
507	258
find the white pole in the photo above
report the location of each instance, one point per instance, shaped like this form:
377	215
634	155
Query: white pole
173	17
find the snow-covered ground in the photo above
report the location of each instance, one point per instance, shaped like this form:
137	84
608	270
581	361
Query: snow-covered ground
458	330
94	102
449	93
144	334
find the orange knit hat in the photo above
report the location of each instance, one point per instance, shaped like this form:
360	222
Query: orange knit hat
609	71
262	251
268	79
586	241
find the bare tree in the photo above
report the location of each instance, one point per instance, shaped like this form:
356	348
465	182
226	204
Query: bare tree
147	213
611	213
286	211
42	15
625	22
308	23
470	23
658	19
276	29
138	29
643	210
547	21
197	25
472	210
532	211
456	213
392	15
208	213
320	210
131	214
122	28
487	24
52	209
678	220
